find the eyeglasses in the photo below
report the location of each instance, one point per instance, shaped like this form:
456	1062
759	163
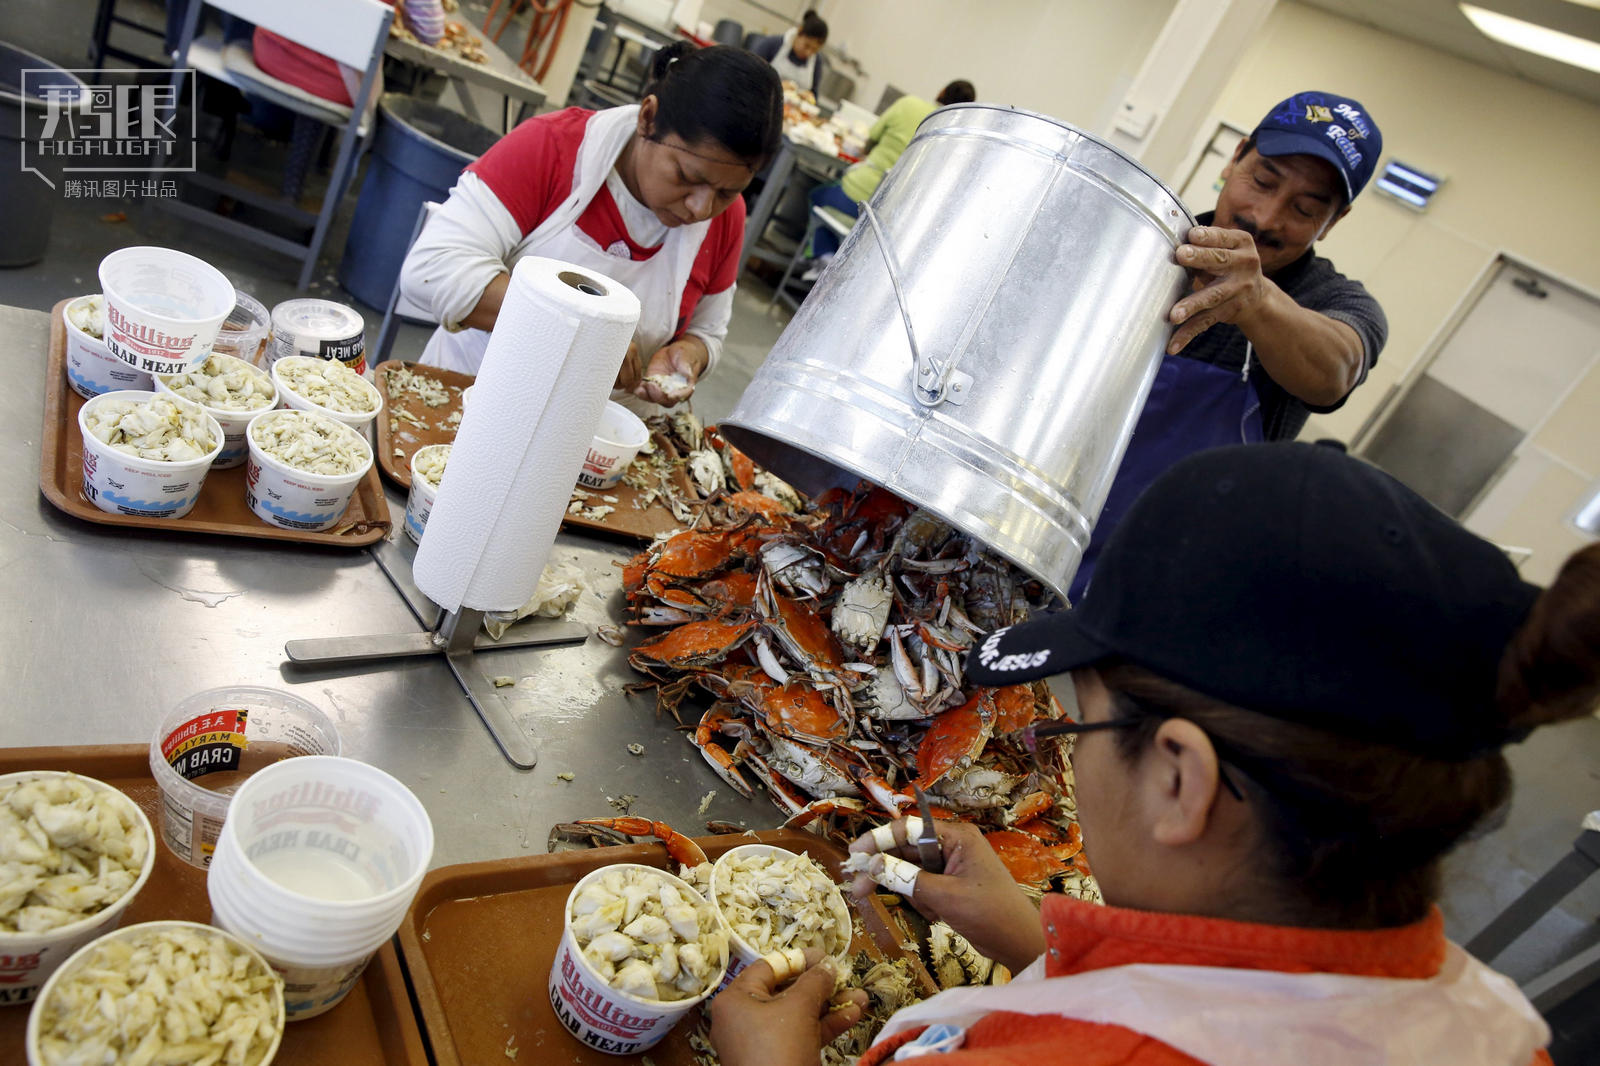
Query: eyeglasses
1031	735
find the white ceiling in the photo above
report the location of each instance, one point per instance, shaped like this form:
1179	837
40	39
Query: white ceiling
1440	24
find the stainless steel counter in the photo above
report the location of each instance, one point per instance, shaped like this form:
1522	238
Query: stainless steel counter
109	628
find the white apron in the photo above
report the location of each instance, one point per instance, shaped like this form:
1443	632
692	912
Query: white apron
658	282
1467	1015
802	74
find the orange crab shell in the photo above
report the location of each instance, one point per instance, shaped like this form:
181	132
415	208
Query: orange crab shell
744	471
755	502
807	629
1027	860
693	643
695	554
1015	708
735	591
797	709
955	734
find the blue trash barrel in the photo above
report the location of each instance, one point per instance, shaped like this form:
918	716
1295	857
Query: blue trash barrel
420	150
29	203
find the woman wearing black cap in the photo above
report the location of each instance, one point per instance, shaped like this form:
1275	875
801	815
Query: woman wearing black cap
1278	750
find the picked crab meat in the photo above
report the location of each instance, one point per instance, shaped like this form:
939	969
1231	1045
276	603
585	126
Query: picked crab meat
311	442
89	315
329	383
403	380
775	901
224	383
429	463
67	850
648	934
173	995
705	469
162	428
674	386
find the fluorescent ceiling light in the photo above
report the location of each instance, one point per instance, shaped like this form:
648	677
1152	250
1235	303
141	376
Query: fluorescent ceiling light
1540	40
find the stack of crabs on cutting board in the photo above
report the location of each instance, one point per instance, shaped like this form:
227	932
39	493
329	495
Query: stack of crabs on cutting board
829	637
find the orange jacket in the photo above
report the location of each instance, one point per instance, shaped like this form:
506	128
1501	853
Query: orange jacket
1082	937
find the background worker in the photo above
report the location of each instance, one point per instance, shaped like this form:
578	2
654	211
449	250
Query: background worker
885	144
793	53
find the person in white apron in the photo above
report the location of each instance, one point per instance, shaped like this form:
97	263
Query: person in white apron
646	195
1267	832
793	53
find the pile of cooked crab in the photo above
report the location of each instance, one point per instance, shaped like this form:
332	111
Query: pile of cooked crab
829	636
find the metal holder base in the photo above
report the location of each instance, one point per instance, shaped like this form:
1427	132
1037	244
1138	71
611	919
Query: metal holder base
457	635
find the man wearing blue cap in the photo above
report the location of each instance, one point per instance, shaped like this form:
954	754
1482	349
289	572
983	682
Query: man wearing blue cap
1272	332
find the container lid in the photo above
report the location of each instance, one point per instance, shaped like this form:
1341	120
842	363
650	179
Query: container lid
323	319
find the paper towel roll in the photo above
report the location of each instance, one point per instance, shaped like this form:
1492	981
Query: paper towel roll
554	353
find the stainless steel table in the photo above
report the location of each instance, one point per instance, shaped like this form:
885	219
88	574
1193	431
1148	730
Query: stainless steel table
827	167
607	20
500	75
109	628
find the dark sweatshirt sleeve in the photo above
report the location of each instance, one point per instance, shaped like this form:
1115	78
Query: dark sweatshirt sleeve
767	47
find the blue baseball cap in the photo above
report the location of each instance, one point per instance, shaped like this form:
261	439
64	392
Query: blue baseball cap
1335	128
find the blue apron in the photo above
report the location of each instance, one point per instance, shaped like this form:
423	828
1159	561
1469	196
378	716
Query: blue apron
1192	406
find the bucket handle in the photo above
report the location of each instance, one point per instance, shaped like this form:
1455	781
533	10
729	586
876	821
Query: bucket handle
924	367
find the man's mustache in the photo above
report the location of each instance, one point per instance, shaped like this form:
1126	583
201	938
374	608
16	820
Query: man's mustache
1263	240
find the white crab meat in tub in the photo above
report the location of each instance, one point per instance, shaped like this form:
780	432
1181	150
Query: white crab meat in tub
89	315
225	384
67	850
171	996
160	428
328	383
309	442
429	463
646	937
782	901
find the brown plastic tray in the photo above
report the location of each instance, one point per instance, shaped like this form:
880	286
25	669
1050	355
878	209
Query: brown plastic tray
643	523
221	508
375	1023
480	939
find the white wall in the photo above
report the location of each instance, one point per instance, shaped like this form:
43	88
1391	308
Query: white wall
1523	169
1065	58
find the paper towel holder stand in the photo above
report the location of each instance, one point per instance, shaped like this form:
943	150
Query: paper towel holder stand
456	635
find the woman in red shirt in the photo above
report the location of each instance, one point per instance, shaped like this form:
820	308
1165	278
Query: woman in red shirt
647	195
1295	678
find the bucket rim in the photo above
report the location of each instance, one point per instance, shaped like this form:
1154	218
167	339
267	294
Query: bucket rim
1052	120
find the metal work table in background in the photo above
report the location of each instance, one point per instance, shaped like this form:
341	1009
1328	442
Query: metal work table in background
824	166
608	20
107	629
500	75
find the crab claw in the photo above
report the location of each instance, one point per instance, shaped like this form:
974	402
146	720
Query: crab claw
681	848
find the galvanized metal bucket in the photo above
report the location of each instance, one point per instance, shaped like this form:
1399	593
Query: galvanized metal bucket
1036	265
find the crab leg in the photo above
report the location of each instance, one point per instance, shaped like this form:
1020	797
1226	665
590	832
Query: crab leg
679	847
788	800
715	754
904	672
769	661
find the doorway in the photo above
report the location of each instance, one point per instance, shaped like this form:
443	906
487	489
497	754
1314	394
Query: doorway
1458	426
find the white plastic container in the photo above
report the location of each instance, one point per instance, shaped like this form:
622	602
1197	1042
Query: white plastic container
120	483
619	438
295	402
419	505
91	368
604	1018
35	1058
245	331
320	329
233	423
163	307
741	952
284	496
27	960
207	746
316	868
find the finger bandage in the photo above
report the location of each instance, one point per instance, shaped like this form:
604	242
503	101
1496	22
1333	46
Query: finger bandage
787	963
883	835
